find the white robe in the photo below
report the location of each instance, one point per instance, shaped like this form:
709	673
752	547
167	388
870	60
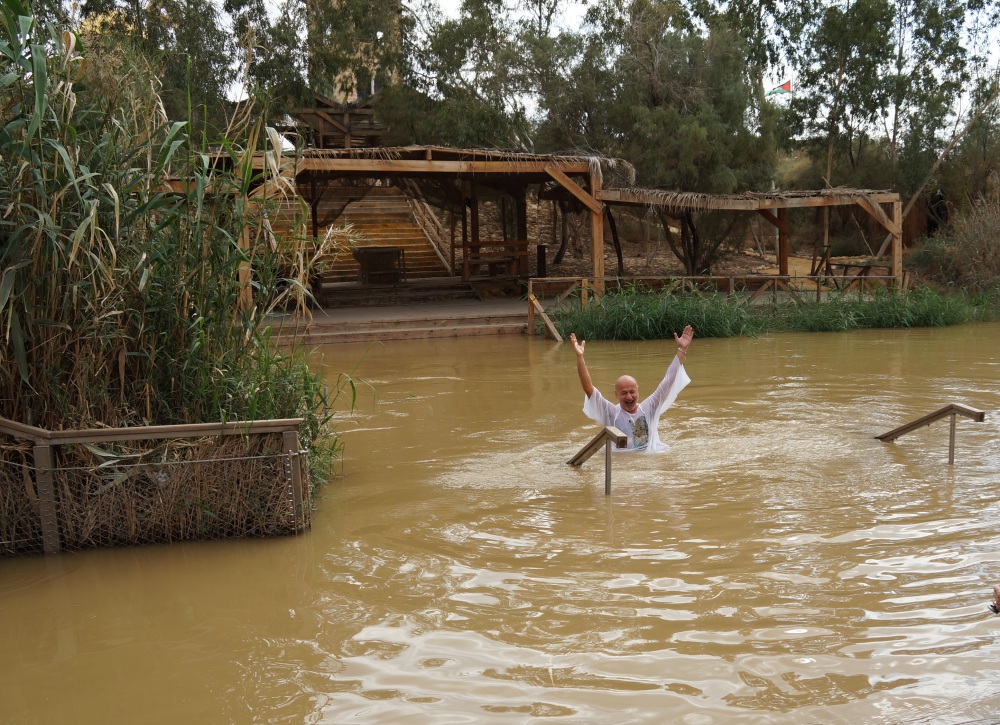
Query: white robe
641	426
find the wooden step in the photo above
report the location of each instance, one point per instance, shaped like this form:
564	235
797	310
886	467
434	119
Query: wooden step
411	333
415	321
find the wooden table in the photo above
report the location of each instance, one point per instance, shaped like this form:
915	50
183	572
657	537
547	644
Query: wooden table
380	264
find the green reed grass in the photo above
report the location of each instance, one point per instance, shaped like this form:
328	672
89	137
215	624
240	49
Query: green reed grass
120	300
636	314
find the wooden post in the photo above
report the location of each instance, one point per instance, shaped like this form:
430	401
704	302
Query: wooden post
607	466
597	233
951	442
531	312
897	243
783	242
47	499
451	224
521	210
465	234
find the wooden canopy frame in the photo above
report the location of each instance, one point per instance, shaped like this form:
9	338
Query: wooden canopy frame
773	206
481	172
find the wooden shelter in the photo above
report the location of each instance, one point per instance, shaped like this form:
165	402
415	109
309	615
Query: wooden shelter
460	179
773	206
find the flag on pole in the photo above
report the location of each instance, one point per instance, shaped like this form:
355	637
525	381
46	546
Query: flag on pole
781	90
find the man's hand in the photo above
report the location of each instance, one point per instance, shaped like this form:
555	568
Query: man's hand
684	340
581	366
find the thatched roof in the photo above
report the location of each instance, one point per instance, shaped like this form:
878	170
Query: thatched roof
676	202
595	163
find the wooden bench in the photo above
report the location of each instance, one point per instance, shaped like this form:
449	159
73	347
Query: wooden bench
501	257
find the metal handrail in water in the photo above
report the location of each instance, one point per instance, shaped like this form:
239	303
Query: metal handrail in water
608	435
954	410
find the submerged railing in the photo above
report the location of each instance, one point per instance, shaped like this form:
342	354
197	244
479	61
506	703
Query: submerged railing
954	410
607	436
186	482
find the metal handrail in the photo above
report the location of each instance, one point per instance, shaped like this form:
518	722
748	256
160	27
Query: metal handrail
954	410
608	435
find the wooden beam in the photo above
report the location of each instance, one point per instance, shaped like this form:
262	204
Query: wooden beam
597	442
770	216
536	307
597	235
409	166
332	121
879	215
954	408
641	197
575	189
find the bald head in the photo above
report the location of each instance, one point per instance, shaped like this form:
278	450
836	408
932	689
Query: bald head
627	393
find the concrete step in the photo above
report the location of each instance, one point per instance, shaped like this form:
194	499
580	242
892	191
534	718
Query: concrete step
349	293
333	324
412	333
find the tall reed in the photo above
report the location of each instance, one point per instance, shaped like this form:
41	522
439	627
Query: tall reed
122	244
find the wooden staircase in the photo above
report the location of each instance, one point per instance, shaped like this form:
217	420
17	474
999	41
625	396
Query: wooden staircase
382	217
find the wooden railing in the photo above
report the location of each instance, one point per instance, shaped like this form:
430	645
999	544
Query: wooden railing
607	436
47	472
954	410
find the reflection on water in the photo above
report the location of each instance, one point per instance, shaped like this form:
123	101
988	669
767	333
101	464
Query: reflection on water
777	565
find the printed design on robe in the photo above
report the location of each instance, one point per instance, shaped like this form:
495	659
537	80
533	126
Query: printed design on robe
640	432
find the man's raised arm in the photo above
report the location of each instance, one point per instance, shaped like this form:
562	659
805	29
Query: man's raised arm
581	366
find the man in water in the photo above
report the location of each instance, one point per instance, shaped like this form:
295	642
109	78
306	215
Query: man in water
635	419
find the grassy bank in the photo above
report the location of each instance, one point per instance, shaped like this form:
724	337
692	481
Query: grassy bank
634	314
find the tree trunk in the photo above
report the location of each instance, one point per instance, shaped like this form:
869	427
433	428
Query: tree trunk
614	239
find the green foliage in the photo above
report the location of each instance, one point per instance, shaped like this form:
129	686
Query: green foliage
877	84
185	39
634	314
966	253
120	300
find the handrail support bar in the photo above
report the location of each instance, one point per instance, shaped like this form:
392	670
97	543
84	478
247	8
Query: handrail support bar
953	410
608	435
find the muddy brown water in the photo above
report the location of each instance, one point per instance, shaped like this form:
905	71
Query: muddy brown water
778	565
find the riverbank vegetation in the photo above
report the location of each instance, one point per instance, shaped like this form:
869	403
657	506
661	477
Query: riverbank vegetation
123	241
637	314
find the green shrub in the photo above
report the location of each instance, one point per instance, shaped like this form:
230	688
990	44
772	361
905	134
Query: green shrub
966	253
643	315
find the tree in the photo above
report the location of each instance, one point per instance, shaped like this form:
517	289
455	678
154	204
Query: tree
460	81
679	103
879	77
186	38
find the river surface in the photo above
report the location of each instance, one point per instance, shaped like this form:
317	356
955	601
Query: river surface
777	565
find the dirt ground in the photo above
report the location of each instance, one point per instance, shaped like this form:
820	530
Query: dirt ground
642	260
